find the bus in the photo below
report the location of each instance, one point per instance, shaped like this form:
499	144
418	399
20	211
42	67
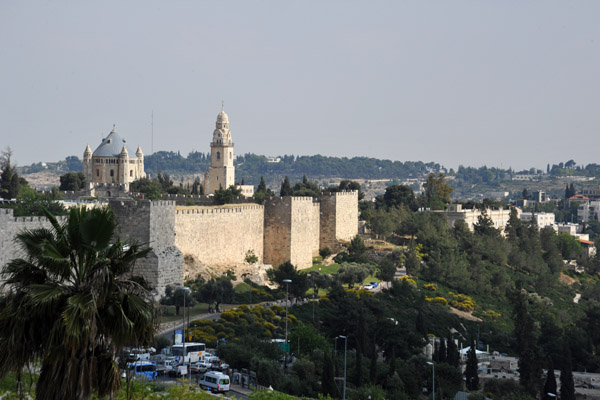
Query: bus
194	351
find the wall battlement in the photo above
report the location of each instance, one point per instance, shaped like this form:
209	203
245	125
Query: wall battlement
215	210
283	229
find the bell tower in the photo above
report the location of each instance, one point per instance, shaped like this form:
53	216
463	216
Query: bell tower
221	173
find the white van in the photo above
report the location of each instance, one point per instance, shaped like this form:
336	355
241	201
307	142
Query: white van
214	381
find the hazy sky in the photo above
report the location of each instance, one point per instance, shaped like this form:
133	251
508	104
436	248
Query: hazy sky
501	83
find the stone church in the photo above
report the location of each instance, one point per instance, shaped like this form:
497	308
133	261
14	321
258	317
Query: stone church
111	166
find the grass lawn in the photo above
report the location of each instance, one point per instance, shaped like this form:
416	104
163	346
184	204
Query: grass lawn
168	312
322	269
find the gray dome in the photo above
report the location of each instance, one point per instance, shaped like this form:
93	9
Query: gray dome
111	146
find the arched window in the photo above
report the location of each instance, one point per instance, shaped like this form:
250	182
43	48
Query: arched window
97	172
131	173
218	155
230	155
112	172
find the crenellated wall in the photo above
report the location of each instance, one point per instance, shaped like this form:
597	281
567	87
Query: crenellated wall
284	229
152	223
10	226
220	235
291	230
339	218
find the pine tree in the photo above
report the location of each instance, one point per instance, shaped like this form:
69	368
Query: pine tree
550	385
567	386
471	370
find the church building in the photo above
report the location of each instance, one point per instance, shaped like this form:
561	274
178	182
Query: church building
110	163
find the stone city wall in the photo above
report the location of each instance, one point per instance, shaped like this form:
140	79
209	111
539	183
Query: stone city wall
10	226
220	235
304	231
152	223
291	231
339	218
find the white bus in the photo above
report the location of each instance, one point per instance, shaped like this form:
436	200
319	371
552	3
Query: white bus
194	351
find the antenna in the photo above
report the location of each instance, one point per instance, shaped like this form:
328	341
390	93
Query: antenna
152	126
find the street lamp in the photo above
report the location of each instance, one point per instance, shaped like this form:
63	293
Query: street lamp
433	374
287	296
185	290
345	349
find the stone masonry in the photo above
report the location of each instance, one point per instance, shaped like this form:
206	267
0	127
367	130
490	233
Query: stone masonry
10	226
152	223
220	235
284	229
339	218
291	231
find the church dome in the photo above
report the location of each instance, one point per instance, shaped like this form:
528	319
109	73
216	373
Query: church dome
111	146
222	117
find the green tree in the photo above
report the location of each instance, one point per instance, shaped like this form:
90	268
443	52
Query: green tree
352	273
471	370
177	296
567	386
287	270
357	249
9	180
73	304
530	370
286	188
550	384
400	195
217	291
386	270
453	356
437	191
72	181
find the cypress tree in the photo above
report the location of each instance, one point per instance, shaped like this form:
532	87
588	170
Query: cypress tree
567	386
452	358
550	385
262	186
327	383
530	369
471	371
286	188
442	357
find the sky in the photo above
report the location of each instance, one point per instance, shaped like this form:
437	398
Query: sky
497	83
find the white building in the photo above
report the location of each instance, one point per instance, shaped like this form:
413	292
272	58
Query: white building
542	219
471	216
589	211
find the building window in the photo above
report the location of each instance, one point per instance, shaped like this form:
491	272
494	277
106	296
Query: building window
131	172
112	172
97	172
218	155
230	155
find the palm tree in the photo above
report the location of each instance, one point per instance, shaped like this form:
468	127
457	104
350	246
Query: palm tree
73	304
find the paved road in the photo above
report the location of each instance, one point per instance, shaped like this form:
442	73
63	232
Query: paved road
170	332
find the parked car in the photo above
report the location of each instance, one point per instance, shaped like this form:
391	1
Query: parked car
200	367
368	287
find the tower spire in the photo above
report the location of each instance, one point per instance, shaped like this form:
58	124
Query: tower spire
222	105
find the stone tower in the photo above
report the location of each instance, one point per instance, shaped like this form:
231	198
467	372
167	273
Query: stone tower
221	173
